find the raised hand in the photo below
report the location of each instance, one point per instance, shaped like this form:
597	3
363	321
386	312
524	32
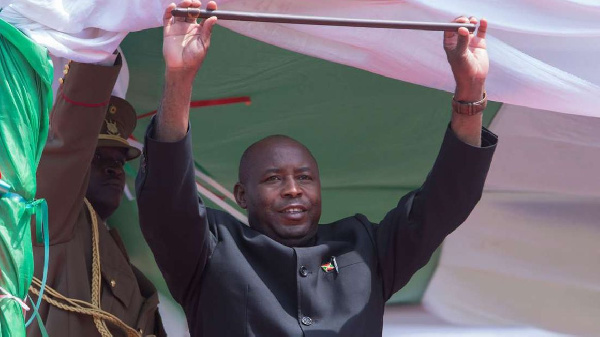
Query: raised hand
468	58
185	41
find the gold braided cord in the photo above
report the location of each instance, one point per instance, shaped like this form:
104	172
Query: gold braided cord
96	280
80	307
91	309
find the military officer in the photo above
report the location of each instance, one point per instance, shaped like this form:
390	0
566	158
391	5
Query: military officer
81	176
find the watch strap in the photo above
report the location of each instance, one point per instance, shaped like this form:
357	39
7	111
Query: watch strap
469	108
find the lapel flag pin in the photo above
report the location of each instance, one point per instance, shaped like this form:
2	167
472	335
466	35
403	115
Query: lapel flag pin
327	267
331	265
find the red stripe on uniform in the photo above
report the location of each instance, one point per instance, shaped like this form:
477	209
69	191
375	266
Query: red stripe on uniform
87	105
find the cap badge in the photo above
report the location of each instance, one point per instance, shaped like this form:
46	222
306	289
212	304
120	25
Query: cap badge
111	127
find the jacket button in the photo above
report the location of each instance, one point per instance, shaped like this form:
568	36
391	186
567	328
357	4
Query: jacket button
307	320
303	271
113	283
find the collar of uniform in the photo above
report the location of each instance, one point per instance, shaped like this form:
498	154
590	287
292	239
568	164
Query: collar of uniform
117	237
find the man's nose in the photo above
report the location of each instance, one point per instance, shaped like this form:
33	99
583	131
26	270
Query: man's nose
291	188
114	170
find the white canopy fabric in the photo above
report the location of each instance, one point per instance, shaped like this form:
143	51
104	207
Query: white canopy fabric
82	30
417	321
529	254
542	52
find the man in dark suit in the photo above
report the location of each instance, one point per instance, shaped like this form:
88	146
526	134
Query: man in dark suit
286	275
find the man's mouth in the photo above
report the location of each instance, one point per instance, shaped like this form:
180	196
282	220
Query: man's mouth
114	183
294	212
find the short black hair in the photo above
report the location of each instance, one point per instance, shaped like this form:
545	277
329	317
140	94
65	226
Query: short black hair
247	153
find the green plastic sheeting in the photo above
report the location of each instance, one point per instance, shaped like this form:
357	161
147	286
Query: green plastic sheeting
25	100
375	138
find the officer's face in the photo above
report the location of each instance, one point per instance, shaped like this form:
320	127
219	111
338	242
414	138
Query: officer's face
107	180
282	192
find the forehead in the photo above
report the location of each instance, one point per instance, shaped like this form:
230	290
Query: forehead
111	151
280	154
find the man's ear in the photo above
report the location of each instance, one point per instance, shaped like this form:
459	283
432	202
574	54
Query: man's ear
240	195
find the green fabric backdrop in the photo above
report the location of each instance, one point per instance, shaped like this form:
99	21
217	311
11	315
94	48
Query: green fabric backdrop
25	100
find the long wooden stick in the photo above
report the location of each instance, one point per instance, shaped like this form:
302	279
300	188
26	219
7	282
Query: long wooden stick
317	20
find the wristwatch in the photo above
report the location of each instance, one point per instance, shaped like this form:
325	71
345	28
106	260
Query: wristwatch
469	108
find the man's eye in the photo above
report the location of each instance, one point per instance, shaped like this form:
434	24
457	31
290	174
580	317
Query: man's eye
272	178
305	177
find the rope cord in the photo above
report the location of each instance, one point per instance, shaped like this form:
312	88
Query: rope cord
96	280
82	307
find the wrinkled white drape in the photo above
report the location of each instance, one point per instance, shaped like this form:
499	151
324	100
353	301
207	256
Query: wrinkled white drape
82	30
543	53
529	253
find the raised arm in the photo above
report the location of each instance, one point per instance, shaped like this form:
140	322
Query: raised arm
410	233
75	121
468	58
172	217
185	44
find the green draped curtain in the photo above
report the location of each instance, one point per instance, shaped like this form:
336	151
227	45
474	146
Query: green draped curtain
25	100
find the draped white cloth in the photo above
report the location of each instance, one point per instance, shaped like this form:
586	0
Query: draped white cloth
528	254
82	30
543	53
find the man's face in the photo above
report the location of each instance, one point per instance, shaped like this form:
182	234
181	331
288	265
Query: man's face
107	180
281	191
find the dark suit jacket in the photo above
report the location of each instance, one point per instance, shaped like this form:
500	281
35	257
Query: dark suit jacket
63	175
234	281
